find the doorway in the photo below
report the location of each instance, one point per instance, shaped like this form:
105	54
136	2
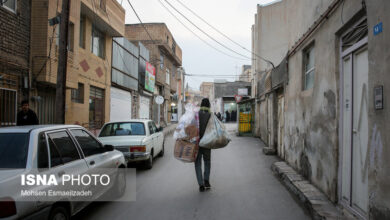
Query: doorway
96	108
354	110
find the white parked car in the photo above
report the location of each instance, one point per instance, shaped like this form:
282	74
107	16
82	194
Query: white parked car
55	151
139	140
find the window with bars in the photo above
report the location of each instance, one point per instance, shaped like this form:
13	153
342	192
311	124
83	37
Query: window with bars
309	67
8	108
78	94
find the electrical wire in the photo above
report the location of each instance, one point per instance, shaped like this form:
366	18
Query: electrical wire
50	47
220	32
204	41
139	19
205	33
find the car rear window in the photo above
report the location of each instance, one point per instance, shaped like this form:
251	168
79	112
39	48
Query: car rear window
13	150
123	129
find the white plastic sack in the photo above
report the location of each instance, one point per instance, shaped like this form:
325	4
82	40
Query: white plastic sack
215	135
188	119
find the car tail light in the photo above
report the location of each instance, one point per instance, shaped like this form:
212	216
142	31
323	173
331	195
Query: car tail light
7	207
138	148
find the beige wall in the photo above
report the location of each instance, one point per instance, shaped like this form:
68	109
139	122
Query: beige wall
111	21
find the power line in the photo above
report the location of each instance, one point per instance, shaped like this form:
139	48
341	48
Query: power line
139	19
50	47
220	76
204	32
220	32
204	41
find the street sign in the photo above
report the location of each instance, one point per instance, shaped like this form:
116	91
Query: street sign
238	98
159	99
378	28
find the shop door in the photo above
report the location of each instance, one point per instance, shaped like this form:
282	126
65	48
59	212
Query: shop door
144	107
120	105
355	131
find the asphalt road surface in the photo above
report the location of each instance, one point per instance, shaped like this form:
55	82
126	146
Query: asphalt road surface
243	187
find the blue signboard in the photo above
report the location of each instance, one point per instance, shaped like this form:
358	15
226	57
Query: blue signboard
378	29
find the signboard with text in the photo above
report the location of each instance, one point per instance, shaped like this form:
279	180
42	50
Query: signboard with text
150	77
243	91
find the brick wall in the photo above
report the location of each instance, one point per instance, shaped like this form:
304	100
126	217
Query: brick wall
15	34
15	47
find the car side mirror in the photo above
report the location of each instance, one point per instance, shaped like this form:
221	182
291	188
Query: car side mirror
108	147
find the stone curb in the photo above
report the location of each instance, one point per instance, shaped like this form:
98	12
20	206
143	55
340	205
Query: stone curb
314	200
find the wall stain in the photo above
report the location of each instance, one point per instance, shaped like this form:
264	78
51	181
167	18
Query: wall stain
331	107
319	171
306	171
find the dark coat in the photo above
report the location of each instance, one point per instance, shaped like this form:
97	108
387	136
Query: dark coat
204	117
28	118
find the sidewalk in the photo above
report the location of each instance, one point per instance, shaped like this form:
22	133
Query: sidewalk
169	129
314	200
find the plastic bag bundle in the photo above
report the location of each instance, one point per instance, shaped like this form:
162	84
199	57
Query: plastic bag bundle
188	123
215	135
187	135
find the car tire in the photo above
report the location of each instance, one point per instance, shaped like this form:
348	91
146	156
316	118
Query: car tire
161	154
149	162
59	213
120	183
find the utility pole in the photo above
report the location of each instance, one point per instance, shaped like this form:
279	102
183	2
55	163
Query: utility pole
62	63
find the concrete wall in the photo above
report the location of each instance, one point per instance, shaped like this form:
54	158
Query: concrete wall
230	89
311	116
272	34
379	120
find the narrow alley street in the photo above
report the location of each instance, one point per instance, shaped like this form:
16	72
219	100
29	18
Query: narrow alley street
243	187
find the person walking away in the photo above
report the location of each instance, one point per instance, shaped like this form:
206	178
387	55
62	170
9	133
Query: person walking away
219	116
203	179
26	116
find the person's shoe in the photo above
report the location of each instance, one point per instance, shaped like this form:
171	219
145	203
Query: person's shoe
207	184
201	189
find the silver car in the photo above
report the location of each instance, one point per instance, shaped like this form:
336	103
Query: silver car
52	150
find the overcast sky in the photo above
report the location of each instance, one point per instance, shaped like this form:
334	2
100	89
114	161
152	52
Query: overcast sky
233	17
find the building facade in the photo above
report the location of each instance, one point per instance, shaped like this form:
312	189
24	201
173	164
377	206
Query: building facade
327	103
15	17
92	26
246	73
166	56
207	90
225	94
